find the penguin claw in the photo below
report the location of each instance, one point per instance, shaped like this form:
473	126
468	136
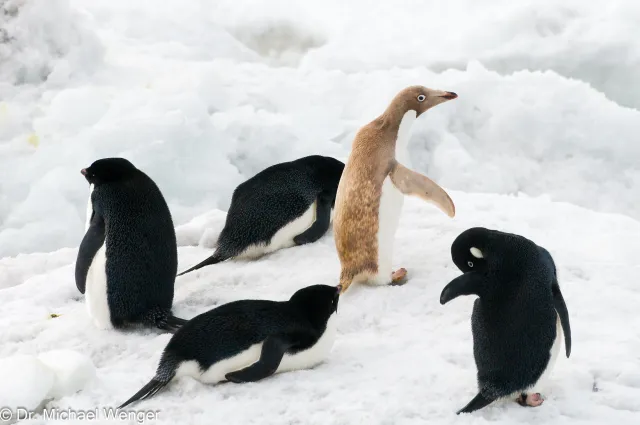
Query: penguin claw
399	277
530	400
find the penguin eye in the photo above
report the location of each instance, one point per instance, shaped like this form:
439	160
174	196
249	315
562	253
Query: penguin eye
470	263
421	98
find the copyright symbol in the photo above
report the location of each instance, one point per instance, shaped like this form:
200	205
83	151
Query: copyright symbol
5	413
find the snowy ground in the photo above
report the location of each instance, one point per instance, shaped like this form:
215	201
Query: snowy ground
542	141
400	357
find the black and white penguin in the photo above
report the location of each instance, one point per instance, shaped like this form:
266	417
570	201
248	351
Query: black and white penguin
287	204
128	258
249	340
519	318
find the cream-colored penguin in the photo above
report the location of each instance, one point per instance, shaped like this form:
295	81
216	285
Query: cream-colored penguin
372	188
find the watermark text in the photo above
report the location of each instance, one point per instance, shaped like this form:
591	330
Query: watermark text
54	414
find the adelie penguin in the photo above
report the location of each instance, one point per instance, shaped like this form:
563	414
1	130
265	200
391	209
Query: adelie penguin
127	260
372	188
249	340
519	318
284	205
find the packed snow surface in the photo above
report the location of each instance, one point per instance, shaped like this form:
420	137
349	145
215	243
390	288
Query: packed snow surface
399	358
202	95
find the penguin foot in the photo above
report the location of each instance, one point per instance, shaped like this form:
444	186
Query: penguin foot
399	277
531	400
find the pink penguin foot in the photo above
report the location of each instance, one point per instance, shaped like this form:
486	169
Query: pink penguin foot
531	400
399	277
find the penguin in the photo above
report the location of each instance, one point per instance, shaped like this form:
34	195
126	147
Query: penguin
249	340
284	205
128	257
372	188
519	319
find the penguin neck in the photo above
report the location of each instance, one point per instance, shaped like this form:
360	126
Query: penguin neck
404	130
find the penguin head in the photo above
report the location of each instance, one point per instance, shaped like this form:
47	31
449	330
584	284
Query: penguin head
470	250
318	302
108	170
419	99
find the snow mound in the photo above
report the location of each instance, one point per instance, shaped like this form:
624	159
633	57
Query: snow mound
587	41
72	370
204	95
43	40
29	381
26	382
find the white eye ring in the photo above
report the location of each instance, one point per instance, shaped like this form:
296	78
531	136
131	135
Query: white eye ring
470	263
421	98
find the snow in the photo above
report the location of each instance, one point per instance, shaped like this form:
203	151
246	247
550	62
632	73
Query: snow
26	382
72	371
29	381
400	357
201	95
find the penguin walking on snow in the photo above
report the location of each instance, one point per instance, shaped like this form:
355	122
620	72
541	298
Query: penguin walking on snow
287	204
249	340
519	318
128	258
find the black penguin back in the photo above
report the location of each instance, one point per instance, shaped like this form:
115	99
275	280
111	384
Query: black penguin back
141	248
274	197
232	328
514	319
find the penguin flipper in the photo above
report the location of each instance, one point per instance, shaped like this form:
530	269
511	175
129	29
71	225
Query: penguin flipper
415	184
563	313
320	226
469	283
478	402
91	243
273	350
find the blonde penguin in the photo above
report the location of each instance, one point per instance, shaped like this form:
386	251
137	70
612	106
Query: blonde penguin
372	188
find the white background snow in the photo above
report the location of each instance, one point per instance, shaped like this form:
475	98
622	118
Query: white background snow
542	141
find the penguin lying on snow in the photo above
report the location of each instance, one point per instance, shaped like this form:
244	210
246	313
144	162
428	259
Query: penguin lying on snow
128	258
275	209
518	319
248	340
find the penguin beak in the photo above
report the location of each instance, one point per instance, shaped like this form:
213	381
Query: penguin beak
449	95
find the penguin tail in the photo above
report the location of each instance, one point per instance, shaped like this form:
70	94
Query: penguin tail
214	259
163	319
165	373
478	402
145	392
173	323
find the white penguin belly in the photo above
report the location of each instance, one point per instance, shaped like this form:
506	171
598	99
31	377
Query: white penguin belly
302	360
96	290
283	238
391	202
314	355
89	209
538	387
